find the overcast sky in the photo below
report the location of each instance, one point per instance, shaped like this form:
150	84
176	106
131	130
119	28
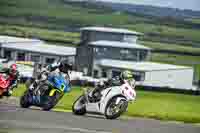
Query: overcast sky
182	4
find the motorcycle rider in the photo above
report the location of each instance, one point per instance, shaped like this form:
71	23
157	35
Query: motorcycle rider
14	73
55	68
116	81
62	67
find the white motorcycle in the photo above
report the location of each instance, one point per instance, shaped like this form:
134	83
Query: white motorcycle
114	101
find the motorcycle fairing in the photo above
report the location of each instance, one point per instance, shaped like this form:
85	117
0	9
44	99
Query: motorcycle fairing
106	97
107	94
4	83
59	84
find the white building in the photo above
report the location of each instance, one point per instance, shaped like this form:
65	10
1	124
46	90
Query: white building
152	74
23	49
105	52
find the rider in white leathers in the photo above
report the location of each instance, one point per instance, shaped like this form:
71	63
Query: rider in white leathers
117	81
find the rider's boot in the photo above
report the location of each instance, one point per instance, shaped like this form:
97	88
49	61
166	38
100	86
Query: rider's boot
10	89
10	92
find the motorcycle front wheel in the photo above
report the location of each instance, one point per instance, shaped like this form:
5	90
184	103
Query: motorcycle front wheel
113	111
24	100
51	101
79	107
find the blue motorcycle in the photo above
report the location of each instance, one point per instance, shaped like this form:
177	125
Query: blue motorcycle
47	93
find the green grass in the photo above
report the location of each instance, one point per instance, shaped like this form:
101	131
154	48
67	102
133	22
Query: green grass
70	38
170	47
174	58
166	31
157	105
56	14
54	10
166	106
67	38
195	20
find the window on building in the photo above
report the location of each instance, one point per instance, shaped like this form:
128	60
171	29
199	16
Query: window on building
124	51
96	73
143	55
100	52
128	54
21	56
130	38
7	54
139	76
96	50
104	73
115	73
85	71
85	36
106	36
35	58
50	60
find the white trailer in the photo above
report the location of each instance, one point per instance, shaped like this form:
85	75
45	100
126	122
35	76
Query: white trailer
179	78
154	74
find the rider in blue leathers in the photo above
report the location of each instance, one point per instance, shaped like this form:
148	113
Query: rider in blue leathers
50	70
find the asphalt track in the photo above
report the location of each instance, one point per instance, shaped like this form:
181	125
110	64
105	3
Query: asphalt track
17	120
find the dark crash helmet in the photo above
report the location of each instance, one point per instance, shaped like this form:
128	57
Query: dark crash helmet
65	66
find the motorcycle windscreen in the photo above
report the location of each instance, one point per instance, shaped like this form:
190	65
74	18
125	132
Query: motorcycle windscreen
59	83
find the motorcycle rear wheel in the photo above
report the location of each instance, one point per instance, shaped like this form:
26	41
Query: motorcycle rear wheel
24	103
110	111
78	106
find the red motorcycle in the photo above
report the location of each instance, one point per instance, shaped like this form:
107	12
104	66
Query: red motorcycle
6	81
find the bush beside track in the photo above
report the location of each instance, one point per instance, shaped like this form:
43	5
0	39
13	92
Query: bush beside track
157	105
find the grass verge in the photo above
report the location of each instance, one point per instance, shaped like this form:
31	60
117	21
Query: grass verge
157	105
170	47
67	38
60	14
72	38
